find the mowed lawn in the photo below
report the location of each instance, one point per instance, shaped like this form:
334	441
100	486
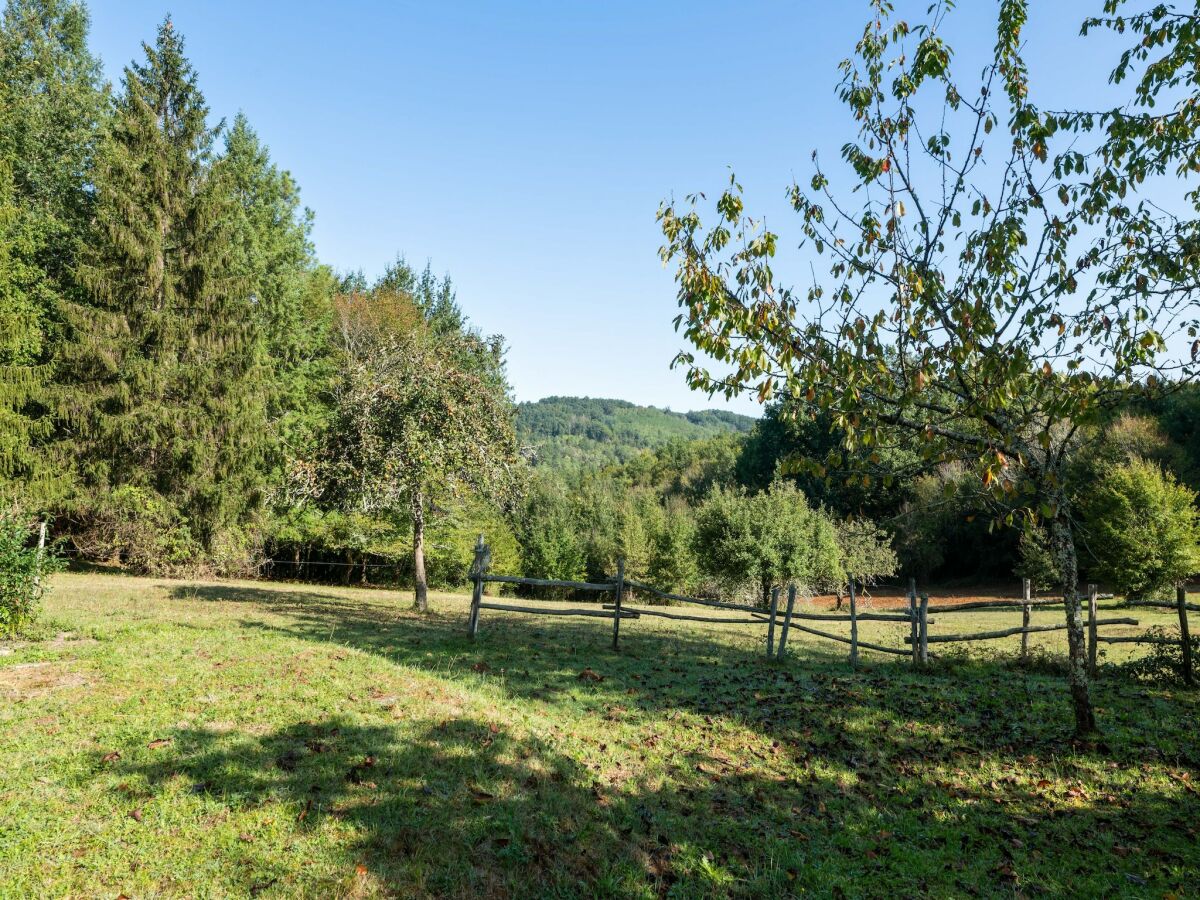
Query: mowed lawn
247	739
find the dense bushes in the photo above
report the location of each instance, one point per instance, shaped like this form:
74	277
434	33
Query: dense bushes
1142	529
23	570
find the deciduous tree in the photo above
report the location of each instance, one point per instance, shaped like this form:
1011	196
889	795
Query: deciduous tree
995	288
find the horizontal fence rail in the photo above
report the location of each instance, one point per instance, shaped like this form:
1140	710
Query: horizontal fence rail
547	583
548	611
1011	632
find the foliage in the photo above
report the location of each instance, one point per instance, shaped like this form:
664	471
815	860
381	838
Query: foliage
164	383
574	433
51	106
290	294
766	539
866	551
546	529
139	529
1037	562
1163	662
672	564
1142	529
412	426
24	573
786	437
991	290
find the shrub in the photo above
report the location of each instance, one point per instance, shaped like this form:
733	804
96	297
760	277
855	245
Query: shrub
23	571
141	530
1142	528
1163	665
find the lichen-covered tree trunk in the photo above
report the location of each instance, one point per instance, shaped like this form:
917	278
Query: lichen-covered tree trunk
420	585
1063	542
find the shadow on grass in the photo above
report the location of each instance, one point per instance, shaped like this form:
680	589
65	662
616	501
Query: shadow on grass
465	808
979	704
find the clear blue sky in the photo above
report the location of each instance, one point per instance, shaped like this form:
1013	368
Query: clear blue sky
523	147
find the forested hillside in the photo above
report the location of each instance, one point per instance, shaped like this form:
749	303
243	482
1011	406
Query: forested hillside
580	432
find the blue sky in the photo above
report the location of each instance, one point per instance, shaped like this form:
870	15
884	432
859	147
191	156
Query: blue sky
523	147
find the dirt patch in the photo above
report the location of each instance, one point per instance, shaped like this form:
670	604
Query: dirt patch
68	639
29	680
888	597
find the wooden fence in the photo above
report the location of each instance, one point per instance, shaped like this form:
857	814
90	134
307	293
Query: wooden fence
915	616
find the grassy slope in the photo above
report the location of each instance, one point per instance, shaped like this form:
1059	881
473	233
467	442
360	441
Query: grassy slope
288	741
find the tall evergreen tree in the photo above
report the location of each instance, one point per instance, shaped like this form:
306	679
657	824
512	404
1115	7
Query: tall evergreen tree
51	104
166	392
21	342
290	293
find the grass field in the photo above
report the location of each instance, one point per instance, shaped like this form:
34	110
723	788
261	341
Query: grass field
248	739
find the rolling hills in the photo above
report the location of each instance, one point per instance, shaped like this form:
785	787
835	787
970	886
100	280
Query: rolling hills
578	432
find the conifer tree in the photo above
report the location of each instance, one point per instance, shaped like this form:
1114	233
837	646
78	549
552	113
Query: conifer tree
51	105
291	294
165	390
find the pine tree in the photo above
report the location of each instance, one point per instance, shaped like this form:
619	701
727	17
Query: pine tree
51	105
163	388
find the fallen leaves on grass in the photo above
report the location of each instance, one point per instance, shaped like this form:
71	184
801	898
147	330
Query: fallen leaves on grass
481	796
355	775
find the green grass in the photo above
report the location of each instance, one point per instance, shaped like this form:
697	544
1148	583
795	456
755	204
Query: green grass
244	739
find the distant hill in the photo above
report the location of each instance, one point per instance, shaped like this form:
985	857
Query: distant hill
573	432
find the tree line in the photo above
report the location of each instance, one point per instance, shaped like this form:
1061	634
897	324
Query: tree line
183	384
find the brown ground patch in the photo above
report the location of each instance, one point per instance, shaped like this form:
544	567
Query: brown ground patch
28	680
888	597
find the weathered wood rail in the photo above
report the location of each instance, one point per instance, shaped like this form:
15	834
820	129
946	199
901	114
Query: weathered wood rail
916	615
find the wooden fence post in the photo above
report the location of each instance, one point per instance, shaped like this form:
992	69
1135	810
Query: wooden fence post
924	629
912	615
1026	596
1092	642
1184	637
787	619
853	623
41	554
620	589
477	568
771	622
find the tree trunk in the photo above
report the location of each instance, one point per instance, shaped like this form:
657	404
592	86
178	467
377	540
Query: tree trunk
1063	543
420	586
766	594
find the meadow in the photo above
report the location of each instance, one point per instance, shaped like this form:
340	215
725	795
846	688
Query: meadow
245	739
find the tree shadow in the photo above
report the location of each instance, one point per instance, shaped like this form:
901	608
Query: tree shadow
468	808
988	704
